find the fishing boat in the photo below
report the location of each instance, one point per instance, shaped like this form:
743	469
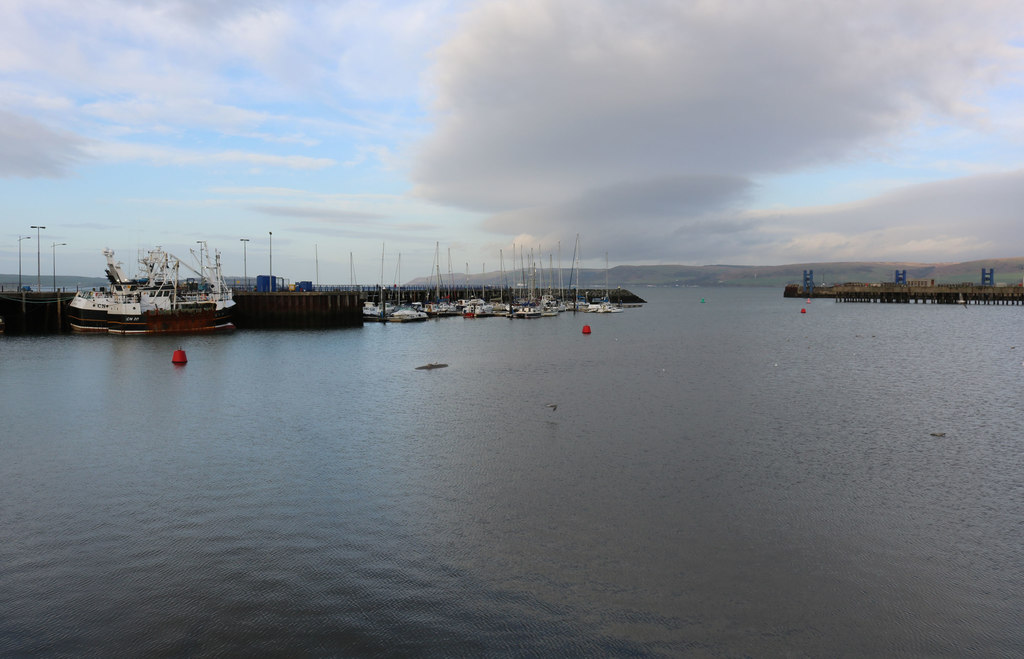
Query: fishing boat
156	301
87	312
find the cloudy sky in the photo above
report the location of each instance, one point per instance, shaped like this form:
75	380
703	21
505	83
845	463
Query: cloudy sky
659	131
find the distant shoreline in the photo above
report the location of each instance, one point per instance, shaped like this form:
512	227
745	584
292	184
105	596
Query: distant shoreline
1007	271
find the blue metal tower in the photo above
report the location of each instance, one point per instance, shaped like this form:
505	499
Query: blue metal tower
808	281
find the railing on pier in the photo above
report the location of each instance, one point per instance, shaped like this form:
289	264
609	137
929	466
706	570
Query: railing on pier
966	293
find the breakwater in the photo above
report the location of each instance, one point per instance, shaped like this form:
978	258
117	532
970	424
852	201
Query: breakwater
491	294
298	310
910	294
31	312
45	312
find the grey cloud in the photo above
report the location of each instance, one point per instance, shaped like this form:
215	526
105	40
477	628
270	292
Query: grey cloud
547	111
651	201
635	218
955	220
320	214
967	204
29	149
201	14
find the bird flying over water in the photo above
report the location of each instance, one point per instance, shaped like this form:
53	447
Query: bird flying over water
553	406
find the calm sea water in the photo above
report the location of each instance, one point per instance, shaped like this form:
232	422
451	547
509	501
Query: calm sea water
722	478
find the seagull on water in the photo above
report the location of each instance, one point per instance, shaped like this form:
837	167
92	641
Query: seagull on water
553	406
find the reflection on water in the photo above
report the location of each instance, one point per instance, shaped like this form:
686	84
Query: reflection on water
728	478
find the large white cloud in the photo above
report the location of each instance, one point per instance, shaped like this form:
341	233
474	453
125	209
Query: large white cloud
544	108
282	72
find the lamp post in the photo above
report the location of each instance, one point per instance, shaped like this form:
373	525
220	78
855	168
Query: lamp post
272	287
21	288
38	260
56	295
20	238
245	268
54	248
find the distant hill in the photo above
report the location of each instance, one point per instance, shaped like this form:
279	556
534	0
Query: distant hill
65	282
1007	271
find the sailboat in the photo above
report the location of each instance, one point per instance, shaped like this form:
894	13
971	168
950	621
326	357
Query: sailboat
405	313
528	308
439	306
579	302
604	305
378	312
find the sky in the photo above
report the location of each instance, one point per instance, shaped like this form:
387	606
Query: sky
368	138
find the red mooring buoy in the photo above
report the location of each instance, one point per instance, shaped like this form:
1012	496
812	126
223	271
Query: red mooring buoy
586	329
179	357
803	311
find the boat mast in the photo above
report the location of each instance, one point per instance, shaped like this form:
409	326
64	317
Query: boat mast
437	265
174	298
551	274
501	267
576	267
451	277
606	296
561	288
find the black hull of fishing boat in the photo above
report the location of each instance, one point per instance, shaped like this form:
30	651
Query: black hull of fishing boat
87	321
191	319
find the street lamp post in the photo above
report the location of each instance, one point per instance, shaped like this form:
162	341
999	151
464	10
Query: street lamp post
56	295
38	260
20	238
245	267
21	287
272	287
54	247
